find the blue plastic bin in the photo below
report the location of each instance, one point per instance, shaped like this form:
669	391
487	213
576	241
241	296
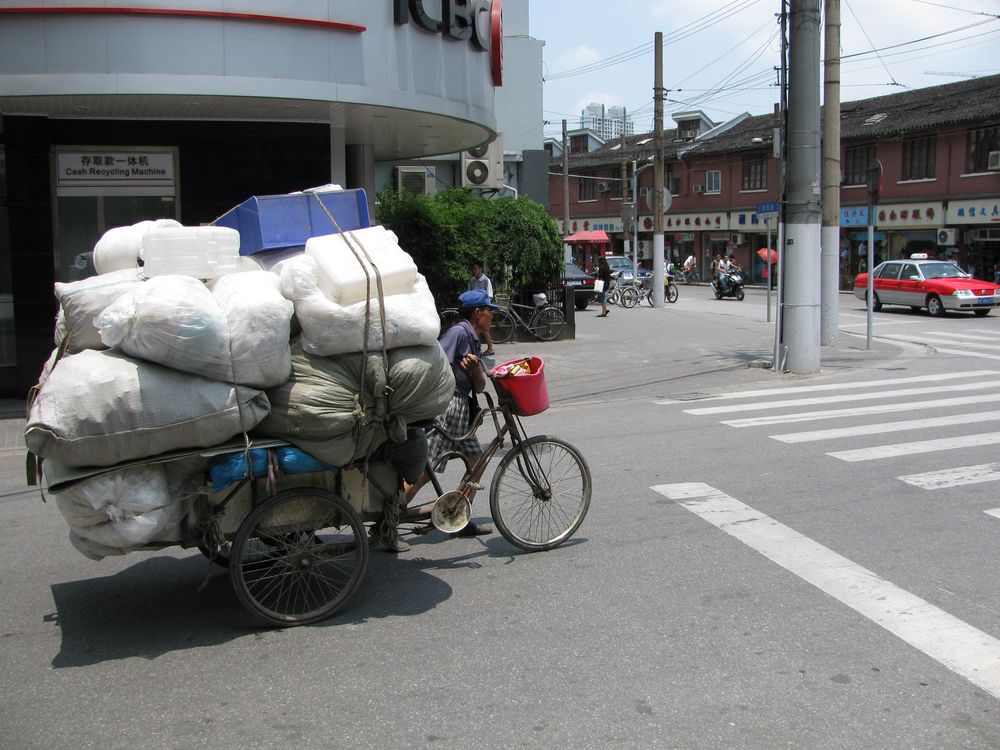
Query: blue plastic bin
273	222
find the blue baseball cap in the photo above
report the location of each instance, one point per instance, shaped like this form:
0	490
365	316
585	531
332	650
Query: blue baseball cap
475	298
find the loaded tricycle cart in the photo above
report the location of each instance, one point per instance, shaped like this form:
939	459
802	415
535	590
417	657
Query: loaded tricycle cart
295	534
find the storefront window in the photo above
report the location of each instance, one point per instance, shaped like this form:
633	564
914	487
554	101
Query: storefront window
919	155
754	173
981	142
856	163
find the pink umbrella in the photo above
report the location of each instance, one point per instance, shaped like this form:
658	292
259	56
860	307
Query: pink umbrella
765	252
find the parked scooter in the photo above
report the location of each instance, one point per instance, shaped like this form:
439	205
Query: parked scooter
729	285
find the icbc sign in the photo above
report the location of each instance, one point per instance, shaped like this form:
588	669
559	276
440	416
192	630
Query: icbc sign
478	21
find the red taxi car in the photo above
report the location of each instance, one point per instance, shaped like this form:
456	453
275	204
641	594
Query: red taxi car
938	285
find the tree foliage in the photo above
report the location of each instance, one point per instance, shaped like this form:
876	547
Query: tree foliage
518	242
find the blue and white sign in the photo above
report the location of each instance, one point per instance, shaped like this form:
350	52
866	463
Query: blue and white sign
769	210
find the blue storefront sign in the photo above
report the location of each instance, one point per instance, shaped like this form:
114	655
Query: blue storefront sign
856	216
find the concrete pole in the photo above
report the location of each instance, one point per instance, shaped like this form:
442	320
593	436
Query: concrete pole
829	323
658	269
624	178
802	213
567	250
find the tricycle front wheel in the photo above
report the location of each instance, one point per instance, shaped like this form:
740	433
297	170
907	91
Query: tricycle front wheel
540	493
298	556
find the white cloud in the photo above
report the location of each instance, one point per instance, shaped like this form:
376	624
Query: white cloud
575	58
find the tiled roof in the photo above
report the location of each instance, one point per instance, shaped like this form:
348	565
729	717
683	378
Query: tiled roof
950	105
953	104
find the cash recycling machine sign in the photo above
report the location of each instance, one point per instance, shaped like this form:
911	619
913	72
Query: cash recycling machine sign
111	169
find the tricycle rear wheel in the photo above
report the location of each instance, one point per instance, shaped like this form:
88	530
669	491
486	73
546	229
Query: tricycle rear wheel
298	556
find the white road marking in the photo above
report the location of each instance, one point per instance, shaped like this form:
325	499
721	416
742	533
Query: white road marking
877	429
966	353
980	337
995	512
811	416
840	398
934	341
836	386
965	650
954	477
920	446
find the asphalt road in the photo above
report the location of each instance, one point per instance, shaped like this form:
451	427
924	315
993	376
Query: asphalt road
744	579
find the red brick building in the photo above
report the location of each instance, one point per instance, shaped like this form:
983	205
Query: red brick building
939	148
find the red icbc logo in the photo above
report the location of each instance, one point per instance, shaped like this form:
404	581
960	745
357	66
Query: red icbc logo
477	21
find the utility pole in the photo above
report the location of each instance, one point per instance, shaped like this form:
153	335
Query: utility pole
830	297
802	214
658	275
625	198
567	250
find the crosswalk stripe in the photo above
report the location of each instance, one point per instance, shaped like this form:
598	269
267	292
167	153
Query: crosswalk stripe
995	512
920	446
962	648
877	429
967	353
840	398
954	477
836	386
933	341
981	337
854	411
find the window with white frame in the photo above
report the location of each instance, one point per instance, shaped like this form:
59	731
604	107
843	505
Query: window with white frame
713	181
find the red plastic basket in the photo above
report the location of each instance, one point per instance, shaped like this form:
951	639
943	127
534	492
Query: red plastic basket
526	390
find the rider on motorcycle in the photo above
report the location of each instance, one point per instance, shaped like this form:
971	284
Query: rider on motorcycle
726	267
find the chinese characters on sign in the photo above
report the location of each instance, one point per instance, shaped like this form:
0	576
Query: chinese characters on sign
129	168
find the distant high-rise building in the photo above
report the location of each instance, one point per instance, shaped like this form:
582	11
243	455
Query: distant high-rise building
606	122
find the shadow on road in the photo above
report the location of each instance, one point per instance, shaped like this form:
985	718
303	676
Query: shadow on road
164	604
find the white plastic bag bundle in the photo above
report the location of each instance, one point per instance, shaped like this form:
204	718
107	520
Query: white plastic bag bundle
102	408
117	512
259	321
80	302
328	327
126	508
173	321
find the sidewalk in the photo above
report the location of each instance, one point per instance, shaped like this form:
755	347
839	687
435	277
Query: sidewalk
11	425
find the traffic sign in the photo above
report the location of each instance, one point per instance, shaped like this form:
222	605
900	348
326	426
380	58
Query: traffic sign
769	210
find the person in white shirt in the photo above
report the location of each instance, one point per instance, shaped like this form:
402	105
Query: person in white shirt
481	281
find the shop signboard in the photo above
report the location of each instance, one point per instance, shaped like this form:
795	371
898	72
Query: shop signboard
983	211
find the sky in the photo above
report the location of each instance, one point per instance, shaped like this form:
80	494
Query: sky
720	56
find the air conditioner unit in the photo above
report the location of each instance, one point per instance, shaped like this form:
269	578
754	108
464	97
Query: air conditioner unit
418	180
698	189
482	166
736	239
603	187
642	253
947	236
971	236
993	161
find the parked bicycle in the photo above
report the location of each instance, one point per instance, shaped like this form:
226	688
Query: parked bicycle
544	320
670	292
